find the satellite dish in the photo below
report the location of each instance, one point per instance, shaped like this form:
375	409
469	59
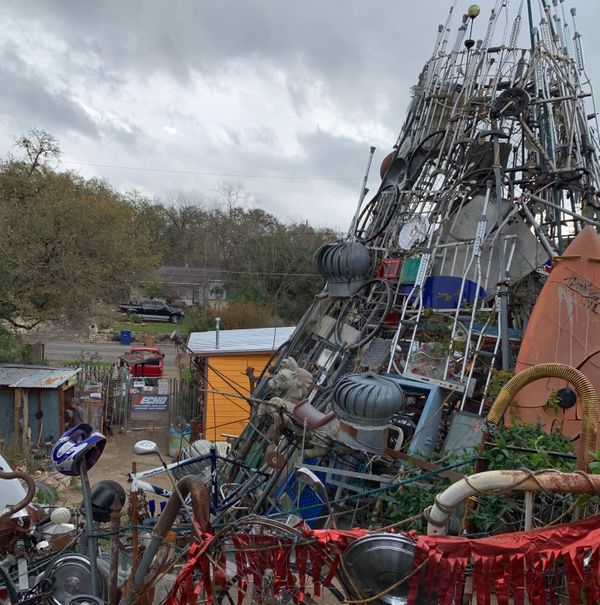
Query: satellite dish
414	232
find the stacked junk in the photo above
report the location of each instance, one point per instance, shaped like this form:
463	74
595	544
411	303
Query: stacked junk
465	294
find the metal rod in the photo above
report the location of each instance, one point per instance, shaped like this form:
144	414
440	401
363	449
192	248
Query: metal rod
90	528
361	197
579	217
115	526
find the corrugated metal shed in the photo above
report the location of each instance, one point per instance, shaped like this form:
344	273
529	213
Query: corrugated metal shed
34	377
255	340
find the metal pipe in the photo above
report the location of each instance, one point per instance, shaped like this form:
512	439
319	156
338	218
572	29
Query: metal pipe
115	526
538	229
29	496
583	219
493	481
91	540
583	387
361	197
134	519
188	485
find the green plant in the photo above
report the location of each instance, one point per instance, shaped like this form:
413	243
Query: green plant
12	348
134	318
499	379
105	323
595	462
413	498
75	485
552	403
46	496
515	447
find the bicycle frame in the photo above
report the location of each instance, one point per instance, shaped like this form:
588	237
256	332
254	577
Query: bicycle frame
217	505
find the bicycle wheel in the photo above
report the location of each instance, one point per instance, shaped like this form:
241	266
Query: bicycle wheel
364	313
257	560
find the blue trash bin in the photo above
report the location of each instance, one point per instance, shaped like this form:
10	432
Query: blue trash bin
125	337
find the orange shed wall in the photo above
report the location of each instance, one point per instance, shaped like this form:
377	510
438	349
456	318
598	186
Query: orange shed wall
229	414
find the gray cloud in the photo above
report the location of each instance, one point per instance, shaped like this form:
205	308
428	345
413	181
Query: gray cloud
241	87
26	94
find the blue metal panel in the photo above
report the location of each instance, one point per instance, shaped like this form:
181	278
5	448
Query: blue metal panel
7	425
424	439
51	407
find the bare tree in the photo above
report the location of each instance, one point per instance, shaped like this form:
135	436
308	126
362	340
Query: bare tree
39	147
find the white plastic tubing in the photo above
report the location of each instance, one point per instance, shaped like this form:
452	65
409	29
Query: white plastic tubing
500	481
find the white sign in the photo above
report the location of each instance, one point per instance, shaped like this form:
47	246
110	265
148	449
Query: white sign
163	386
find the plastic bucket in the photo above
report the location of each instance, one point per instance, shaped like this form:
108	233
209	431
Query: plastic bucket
125	337
178	439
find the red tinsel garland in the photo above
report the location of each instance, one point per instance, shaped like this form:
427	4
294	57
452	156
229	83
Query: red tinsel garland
512	566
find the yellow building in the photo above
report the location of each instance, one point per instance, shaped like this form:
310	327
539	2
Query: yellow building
230	358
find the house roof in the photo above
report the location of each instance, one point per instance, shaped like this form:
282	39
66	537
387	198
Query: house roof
34	377
189	275
255	340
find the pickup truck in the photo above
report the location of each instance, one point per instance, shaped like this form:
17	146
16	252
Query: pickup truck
144	361
153	310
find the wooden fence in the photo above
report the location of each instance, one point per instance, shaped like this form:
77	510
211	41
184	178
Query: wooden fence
114	407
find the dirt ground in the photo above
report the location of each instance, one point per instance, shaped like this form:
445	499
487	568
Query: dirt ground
116	463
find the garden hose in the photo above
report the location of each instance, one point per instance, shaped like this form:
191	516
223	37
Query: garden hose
583	387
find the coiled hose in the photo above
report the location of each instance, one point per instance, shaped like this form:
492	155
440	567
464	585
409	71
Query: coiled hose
583	387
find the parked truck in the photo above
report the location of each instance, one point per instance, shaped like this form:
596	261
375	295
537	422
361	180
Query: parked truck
153	310
144	361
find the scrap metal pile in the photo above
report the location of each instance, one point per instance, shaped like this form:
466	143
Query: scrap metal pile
487	205
493	174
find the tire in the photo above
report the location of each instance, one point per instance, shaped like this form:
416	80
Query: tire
174	319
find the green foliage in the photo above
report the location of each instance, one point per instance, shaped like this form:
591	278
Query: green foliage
241	315
249	291
134	318
153	289
508	453
412	499
530	437
84	243
47	496
75	484
515	447
66	243
12	348
499	379
197	322
595	462
552	403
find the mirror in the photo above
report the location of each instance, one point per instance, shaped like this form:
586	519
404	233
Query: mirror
144	447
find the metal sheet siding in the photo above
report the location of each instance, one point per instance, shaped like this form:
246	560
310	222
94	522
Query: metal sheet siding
226	412
7	424
49	425
255	340
34	377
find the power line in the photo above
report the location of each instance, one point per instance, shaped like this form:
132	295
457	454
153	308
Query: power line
218	174
222	271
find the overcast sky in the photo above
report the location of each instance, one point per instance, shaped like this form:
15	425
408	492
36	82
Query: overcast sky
285	97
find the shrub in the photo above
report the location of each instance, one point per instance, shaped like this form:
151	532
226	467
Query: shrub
246	315
135	318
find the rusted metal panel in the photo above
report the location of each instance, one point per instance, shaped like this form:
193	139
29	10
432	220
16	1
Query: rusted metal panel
34	377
